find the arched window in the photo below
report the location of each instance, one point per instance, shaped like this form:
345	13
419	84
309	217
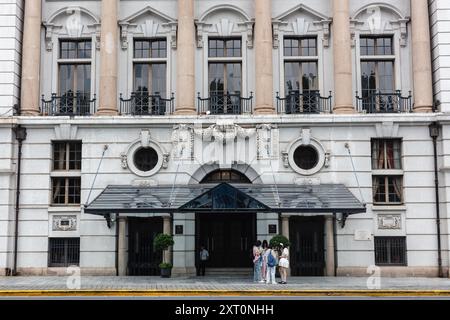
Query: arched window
231	176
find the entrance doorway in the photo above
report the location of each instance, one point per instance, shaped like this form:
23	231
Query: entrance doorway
143	260
229	238
307	246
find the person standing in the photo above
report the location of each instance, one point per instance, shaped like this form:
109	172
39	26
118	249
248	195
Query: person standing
265	246
272	261
204	256
283	263
257	261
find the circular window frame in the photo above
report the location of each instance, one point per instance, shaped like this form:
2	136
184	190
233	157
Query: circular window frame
130	159
320	153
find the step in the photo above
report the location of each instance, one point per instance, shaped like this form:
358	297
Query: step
229	271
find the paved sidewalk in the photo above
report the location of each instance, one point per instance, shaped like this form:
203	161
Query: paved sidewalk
233	284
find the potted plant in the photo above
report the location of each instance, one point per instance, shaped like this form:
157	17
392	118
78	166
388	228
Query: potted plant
276	240
162	242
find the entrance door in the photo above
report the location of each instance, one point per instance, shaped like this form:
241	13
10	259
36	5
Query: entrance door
143	260
307	246
228	238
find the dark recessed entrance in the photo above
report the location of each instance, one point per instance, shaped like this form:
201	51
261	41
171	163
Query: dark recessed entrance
229	238
143	260
307	246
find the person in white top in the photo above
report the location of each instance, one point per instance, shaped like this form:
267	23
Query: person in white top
272	261
283	263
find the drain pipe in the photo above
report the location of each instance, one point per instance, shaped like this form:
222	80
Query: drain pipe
434	134
21	135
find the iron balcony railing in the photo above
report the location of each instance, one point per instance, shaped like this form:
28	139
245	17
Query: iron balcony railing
306	102
382	102
145	104
225	103
69	104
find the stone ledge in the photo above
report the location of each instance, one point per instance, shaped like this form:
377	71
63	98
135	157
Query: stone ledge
425	272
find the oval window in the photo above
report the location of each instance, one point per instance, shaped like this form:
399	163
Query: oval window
306	157
145	159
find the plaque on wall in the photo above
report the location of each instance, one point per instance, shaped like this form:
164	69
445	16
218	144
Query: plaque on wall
179	229
390	222
272	228
64	223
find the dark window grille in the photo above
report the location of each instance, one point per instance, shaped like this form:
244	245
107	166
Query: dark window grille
390	251
231	176
64	252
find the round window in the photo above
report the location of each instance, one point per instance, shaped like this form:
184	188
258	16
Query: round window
306	157
145	159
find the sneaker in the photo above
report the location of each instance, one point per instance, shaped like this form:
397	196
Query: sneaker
274	282
262	281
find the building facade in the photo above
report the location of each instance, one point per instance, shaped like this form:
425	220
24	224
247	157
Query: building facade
222	123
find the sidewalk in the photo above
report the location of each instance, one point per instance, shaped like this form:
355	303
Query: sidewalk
220	286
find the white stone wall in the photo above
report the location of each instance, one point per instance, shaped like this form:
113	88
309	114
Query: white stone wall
440	22
11	13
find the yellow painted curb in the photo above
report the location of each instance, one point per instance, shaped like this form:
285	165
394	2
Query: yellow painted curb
225	293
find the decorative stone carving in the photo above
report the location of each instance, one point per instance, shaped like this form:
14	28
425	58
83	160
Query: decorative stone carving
267	141
165	163
183	142
145	138
49	29
124	35
285	158
225	28
224	132
327	159
249	35
390	222
300	26
123	160
74	26
64	223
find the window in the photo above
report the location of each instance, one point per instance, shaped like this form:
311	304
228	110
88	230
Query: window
145	159
74	66
377	73
150	67
231	176
387	179
390	251
225	75
301	65
306	157
66	173
67	155
64	252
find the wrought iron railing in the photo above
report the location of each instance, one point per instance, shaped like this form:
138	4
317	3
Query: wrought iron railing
144	104
381	102
69	104
306	102
225	103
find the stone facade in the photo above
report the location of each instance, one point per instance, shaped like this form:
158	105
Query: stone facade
342	138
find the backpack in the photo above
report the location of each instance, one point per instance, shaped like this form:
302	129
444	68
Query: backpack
271	261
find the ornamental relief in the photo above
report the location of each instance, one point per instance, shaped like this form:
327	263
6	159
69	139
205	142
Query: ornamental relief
64	223
390	222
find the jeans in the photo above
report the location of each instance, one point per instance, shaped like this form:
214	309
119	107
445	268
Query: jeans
202	268
257	271
270	275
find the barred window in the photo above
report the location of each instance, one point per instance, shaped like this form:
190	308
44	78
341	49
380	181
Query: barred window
64	252
390	251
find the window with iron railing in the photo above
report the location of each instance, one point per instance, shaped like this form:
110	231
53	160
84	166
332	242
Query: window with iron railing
74	80
301	78
149	95
390	251
224	79
387	174
66	173
63	252
378	92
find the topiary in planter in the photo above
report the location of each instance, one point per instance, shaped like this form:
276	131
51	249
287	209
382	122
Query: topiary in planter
163	242
276	240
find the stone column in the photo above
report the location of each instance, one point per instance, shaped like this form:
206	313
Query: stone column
421	54
167	229
343	91
329	231
263	57
123	246
31	58
186	59
108	59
